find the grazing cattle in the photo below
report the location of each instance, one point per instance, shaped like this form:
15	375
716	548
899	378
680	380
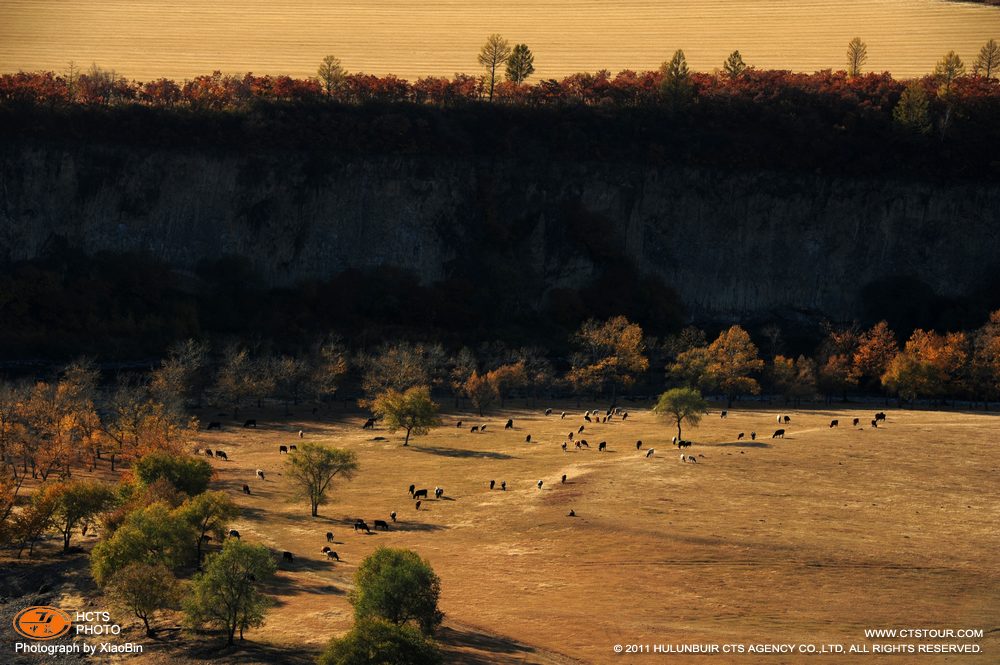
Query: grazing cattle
509	424
493	483
625	416
880	415
571	436
369	424
564	445
692	459
527	439
412	488
580	431
392	516
418	505
739	436
301	435
482	428
287	556
233	533
564	478
326	548
503	485
650	452
361	525
602	446
788	419
583	442
562	415
779	420
753	436
834	423
638	444
874	422
381	524
586	417
724	414
260	474
539	484
246	489
333	555
856	421
578	444
459	424
329	536
438	492
282	449
208	451
215	424
474	428
250	423
778	434
222	455
683	444
292	447
420	493
673	440
684	457
548	412
572	513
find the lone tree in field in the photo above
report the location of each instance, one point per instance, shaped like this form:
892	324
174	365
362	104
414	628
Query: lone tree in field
987	62
78	502
682	405
379	641
912	110
226	595
520	64
734	66
413	411
144	589
331	75
314	466
613	354
493	55
398	586
857	56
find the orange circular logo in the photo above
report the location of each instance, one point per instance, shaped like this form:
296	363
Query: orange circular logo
41	622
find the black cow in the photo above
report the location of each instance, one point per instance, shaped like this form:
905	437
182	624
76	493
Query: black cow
458	424
564	445
787	419
602	446
326	548
739	437
333	555
360	525
493	483
880	415
392	516
527	439
564	477
856	421
753	436
875	422
583	442
723	414
282	449
418	505
586	417
580	431
208	451
411	490
222	455
503	485
625	416
246	489
548	412
510	424
420	493
683	444
650	452
292	447
287	556
381	524
482	428
369	424
215	424
438	492
250	423
233	533
475	428
834	423
778	434
638	444
329	536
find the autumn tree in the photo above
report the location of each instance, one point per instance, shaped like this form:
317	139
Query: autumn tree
77	503
481	391
312	470
727	364
949	68
143	590
912	110
208	513
331	75
734	66
857	56
29	524
682	405
413	411
875	349
676	86
461	366
987	62
227	594
397	585
612	354
927	364
507	379
984	370
520	64
493	55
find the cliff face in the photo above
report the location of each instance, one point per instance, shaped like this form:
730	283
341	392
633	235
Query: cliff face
731	244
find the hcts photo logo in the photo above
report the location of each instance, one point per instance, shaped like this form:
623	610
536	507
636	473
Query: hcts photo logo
42	622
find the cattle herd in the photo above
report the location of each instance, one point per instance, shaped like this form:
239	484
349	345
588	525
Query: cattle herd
423	494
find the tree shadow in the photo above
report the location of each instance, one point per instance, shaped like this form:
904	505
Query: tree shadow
474	647
743	444
461	452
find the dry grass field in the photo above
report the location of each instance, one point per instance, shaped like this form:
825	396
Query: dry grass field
808	539
147	39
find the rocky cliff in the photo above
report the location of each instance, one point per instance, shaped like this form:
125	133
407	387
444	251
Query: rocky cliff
732	244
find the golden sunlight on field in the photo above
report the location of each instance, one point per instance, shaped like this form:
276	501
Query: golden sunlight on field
146	39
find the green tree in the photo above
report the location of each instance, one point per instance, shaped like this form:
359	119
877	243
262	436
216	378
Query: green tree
734	66
494	53
188	474
144	589
857	56
154	534
312	470
398	586
376	642
520	64
676	86
331	75
413	411
227	595
208	513
78	502
912	111
987	62
682	405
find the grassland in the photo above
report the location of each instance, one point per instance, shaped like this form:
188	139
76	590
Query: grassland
147	39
